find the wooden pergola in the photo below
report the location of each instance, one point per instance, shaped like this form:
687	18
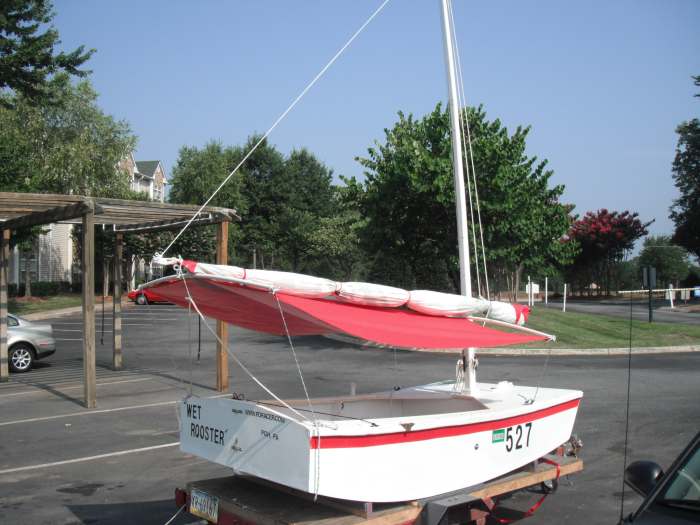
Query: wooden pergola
19	210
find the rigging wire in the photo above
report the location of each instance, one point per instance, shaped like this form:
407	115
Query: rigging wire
276	122
627	414
463	155
296	360
238	361
470	157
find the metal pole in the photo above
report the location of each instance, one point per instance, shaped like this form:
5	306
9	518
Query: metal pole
462	229
651	310
529	291
670	294
546	290
563	309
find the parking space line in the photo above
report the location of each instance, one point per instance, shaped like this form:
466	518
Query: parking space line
87	458
43	391
95	412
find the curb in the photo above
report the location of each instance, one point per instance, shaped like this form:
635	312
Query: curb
613	352
61	312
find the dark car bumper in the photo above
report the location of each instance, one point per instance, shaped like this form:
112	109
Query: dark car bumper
41	354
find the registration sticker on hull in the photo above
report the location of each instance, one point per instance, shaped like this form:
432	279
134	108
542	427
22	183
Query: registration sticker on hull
498	436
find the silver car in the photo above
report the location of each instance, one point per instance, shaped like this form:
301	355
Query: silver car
27	342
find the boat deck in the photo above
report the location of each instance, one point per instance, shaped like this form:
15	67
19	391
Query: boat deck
438	400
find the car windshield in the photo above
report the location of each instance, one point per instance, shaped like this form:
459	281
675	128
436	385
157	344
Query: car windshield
684	488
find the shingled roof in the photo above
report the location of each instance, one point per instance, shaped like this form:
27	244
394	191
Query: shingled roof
147	167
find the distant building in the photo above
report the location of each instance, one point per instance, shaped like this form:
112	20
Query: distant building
52	258
147	176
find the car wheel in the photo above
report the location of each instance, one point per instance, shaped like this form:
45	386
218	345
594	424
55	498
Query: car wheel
21	357
141	299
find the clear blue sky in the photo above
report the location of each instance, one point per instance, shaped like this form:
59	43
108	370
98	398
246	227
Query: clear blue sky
603	84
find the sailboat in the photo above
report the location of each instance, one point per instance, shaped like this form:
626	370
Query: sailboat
388	446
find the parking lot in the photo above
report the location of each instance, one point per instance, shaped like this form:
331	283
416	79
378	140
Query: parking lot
120	463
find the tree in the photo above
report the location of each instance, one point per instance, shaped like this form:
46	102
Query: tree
685	211
604	237
408	203
27	58
282	201
69	146
670	260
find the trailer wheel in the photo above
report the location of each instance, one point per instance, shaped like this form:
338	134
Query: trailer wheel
549	486
141	299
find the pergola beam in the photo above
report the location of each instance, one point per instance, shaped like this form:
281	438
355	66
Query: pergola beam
171	225
57	214
222	380
20	210
89	361
4	269
117	302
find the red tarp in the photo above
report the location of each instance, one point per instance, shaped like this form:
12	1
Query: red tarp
259	310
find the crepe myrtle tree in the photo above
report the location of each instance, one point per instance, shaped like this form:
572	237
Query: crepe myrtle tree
604	237
407	201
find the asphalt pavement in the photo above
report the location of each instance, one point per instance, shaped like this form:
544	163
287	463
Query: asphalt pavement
661	310
120	463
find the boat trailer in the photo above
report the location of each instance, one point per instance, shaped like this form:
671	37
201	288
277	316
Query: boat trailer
244	500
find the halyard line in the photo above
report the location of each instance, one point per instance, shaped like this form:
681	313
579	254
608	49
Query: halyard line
87	458
43	391
94	412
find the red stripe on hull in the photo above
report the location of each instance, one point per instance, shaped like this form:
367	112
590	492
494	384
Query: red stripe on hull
441	432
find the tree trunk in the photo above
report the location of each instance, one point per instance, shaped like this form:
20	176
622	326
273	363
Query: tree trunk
130	273
27	276
518	276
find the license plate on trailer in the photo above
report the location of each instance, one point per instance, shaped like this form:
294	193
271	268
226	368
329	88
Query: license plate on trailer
204	505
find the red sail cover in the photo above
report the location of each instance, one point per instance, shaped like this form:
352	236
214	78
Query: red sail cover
259	310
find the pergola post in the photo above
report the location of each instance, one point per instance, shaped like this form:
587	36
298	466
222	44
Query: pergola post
4	271
117	302
221	327
88	252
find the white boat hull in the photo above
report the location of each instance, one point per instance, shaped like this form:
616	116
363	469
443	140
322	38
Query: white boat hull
409	445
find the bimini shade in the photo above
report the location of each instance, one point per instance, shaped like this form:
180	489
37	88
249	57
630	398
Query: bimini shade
257	309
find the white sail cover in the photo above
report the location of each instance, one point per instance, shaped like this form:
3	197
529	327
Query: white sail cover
220	270
507	312
293	283
365	294
445	304
368	294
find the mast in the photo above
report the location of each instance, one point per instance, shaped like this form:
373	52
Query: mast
469	362
462	230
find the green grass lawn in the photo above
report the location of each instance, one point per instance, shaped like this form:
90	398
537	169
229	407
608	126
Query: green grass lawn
577	330
19	306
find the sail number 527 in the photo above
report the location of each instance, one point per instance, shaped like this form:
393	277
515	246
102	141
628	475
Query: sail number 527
518	437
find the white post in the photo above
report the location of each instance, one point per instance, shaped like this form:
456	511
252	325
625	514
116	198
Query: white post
529	291
546	290
670	294
563	309
462	230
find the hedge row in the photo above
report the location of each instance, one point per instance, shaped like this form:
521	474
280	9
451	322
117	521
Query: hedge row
42	288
